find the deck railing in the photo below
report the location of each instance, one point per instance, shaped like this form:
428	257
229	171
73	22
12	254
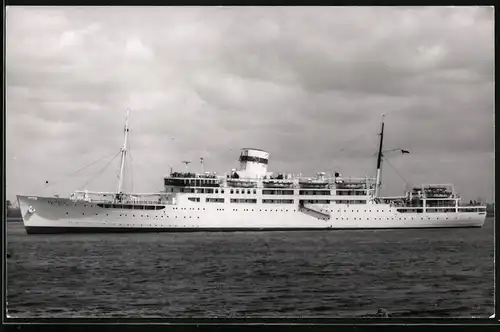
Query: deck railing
128	202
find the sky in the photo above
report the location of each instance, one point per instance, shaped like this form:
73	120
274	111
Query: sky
307	84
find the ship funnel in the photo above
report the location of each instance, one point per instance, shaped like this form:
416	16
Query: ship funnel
253	163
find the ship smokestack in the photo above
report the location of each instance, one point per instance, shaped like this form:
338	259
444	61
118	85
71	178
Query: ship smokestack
253	163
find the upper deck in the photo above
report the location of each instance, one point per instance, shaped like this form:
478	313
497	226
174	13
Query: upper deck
434	191
193	180
178	179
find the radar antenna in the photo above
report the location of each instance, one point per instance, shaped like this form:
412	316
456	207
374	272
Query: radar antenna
187	163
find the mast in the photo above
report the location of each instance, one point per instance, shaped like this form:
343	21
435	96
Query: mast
124	154
379	159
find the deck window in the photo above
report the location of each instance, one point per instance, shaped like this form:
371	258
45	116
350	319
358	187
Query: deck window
276	192
316	201
277	201
214	200
242	200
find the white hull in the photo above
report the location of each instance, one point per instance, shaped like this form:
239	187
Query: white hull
61	215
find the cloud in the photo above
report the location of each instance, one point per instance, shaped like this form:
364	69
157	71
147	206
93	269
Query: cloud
309	84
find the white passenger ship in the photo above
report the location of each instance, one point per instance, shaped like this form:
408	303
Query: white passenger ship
249	199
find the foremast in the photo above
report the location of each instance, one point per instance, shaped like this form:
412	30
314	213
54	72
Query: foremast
124	154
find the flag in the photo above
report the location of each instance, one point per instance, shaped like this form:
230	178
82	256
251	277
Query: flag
404	151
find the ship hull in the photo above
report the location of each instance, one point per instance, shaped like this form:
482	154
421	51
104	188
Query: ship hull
50	215
103	230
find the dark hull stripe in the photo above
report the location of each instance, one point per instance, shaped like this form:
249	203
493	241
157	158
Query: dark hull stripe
254	159
81	230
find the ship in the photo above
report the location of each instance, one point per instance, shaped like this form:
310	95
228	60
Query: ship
250	198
